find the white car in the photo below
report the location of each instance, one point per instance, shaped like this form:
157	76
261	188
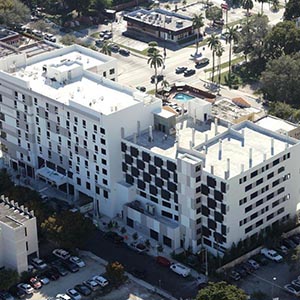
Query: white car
92	284
63	297
39	264
296	282
292	289
271	254
180	269
61	253
254	264
101	280
78	261
73	294
27	288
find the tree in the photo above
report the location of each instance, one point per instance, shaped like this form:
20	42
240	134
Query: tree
219	52
213	42
68	229
231	36
115	272
198	24
275	5
106	48
248	5
81	6
152	46
214	13
68	39
283	38
100	5
155	61
292	10
280	81
8	278
221	290
13	12
5	182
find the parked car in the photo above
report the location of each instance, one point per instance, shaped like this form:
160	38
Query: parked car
288	243
139	247
74	294
16	292
43	279
295	239
124	52
50	37
139	273
35	283
201	280
180	70
163	261
159	78
189	72
101	280
114	48
239	269
92	284
52	274
255	265
247	267
39	264
61	253
61	270
234	275
78	261
6	296
114	237
25	287
82	289
141	88
271	254
180	269
282	250
63	297
292	289
70	266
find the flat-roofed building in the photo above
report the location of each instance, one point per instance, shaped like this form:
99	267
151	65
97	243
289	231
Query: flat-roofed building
18	235
161	24
9	37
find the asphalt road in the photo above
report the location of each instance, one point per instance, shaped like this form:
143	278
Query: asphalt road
156	275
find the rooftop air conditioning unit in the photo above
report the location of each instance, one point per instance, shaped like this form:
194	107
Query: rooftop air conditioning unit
150	208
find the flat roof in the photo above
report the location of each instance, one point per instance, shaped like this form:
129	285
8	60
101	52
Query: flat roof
12	216
83	87
6	33
161	18
276	124
256	140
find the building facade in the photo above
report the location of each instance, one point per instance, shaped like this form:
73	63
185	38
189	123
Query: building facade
18	235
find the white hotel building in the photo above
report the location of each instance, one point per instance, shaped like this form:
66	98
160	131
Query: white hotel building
182	180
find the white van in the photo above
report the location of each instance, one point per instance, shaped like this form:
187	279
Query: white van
180	269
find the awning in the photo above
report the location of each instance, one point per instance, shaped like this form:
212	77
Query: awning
51	175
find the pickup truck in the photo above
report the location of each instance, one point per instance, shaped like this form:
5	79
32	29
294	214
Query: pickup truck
271	254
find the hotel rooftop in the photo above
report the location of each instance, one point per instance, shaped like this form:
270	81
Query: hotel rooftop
239	147
68	75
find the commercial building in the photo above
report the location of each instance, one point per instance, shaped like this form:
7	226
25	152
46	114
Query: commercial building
184	179
18	235
160	24
9	37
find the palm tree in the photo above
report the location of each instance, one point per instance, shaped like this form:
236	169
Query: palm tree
156	61
248	5
213	42
219	52
152	47
262	4
198	24
231	36
106	48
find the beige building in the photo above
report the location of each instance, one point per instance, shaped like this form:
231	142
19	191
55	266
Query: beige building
18	235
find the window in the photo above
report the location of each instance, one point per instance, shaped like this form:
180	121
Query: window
83	123
166	214
270	175
95	128
105	194
104	171
103	151
111	71
154	234
102	130
167	241
78	181
253	174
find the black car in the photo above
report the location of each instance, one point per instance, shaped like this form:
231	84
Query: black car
17	293
70	266
288	243
124	52
82	289
139	273
189	72
158	78
141	88
180	70
61	270
247	267
114	48
114	237
295	239
6	296
52	274
241	271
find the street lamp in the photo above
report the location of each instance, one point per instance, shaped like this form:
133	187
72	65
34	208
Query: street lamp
274	279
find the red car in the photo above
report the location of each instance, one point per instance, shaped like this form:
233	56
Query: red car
163	261
35	283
